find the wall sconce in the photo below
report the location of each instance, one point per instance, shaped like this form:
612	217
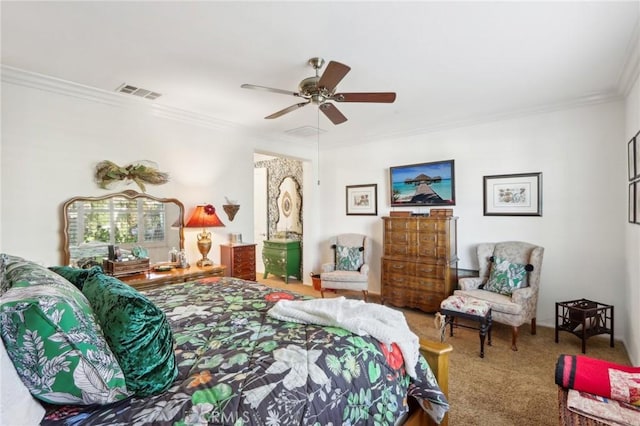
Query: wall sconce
204	216
231	208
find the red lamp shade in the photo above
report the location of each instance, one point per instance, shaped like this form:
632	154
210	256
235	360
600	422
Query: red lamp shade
204	216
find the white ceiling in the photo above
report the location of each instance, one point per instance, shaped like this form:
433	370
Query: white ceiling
450	63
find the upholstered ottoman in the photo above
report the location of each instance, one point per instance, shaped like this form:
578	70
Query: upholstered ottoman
470	309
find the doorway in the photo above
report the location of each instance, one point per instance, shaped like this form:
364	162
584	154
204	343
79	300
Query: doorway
260	217
269	173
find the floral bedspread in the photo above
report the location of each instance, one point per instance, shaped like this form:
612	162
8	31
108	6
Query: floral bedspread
238	366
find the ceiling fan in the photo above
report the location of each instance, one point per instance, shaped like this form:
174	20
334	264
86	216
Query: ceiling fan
321	89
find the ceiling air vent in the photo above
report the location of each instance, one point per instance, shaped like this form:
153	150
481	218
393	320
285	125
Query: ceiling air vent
136	91
305	131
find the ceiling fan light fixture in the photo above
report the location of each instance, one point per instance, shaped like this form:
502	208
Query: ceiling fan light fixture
308	86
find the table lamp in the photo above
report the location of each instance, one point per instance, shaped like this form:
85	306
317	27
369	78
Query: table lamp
204	216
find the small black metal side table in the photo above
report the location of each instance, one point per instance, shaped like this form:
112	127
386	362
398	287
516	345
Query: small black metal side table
584	318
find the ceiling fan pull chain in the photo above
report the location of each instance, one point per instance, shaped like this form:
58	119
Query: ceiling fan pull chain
318	146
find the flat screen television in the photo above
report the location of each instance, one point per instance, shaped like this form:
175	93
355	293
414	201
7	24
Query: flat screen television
423	184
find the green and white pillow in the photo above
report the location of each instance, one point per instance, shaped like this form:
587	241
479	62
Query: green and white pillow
5	261
55	342
4	282
348	258
506	277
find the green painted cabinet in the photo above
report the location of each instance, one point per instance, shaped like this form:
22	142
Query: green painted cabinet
282	258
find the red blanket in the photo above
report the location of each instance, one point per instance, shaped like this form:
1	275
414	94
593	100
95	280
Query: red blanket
598	377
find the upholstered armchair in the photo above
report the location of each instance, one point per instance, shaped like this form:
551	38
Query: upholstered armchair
509	281
350	269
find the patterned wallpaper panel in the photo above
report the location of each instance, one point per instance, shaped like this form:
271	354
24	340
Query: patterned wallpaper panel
277	170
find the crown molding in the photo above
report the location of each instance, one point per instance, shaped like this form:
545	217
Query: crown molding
38	81
476	120
47	83
631	69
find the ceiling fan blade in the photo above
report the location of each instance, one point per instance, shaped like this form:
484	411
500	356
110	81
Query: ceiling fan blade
269	89
332	113
286	110
383	97
332	75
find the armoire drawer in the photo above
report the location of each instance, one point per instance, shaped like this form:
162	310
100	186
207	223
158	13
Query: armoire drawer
399	296
429	270
398	267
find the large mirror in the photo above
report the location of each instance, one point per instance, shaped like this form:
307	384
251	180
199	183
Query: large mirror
125	219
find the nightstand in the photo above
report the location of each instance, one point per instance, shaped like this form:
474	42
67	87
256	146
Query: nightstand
282	258
240	260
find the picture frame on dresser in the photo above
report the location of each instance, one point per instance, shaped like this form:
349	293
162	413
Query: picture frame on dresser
517	194
362	200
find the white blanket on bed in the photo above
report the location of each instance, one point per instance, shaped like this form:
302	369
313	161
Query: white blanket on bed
382	323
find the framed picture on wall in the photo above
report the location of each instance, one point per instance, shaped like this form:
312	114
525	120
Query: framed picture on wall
631	155
636	144
513	195
637	201
362	199
632	202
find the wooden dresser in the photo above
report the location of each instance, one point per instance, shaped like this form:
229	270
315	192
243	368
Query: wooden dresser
282	258
419	262
240	260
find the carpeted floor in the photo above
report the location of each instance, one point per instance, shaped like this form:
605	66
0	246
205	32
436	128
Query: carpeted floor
504	388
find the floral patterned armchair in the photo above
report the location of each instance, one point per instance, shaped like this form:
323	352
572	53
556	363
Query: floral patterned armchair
350	270
520	306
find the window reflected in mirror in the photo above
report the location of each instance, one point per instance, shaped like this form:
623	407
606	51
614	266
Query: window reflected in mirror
126	220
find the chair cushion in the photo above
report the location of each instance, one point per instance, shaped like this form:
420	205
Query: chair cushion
137	332
54	341
350	276
505	276
467	305
348	258
498	302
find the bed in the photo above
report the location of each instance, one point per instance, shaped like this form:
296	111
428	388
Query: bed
236	365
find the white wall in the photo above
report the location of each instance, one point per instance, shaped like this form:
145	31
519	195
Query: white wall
51	143
584	203
632	276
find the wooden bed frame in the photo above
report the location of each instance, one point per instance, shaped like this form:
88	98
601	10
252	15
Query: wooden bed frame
437	355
